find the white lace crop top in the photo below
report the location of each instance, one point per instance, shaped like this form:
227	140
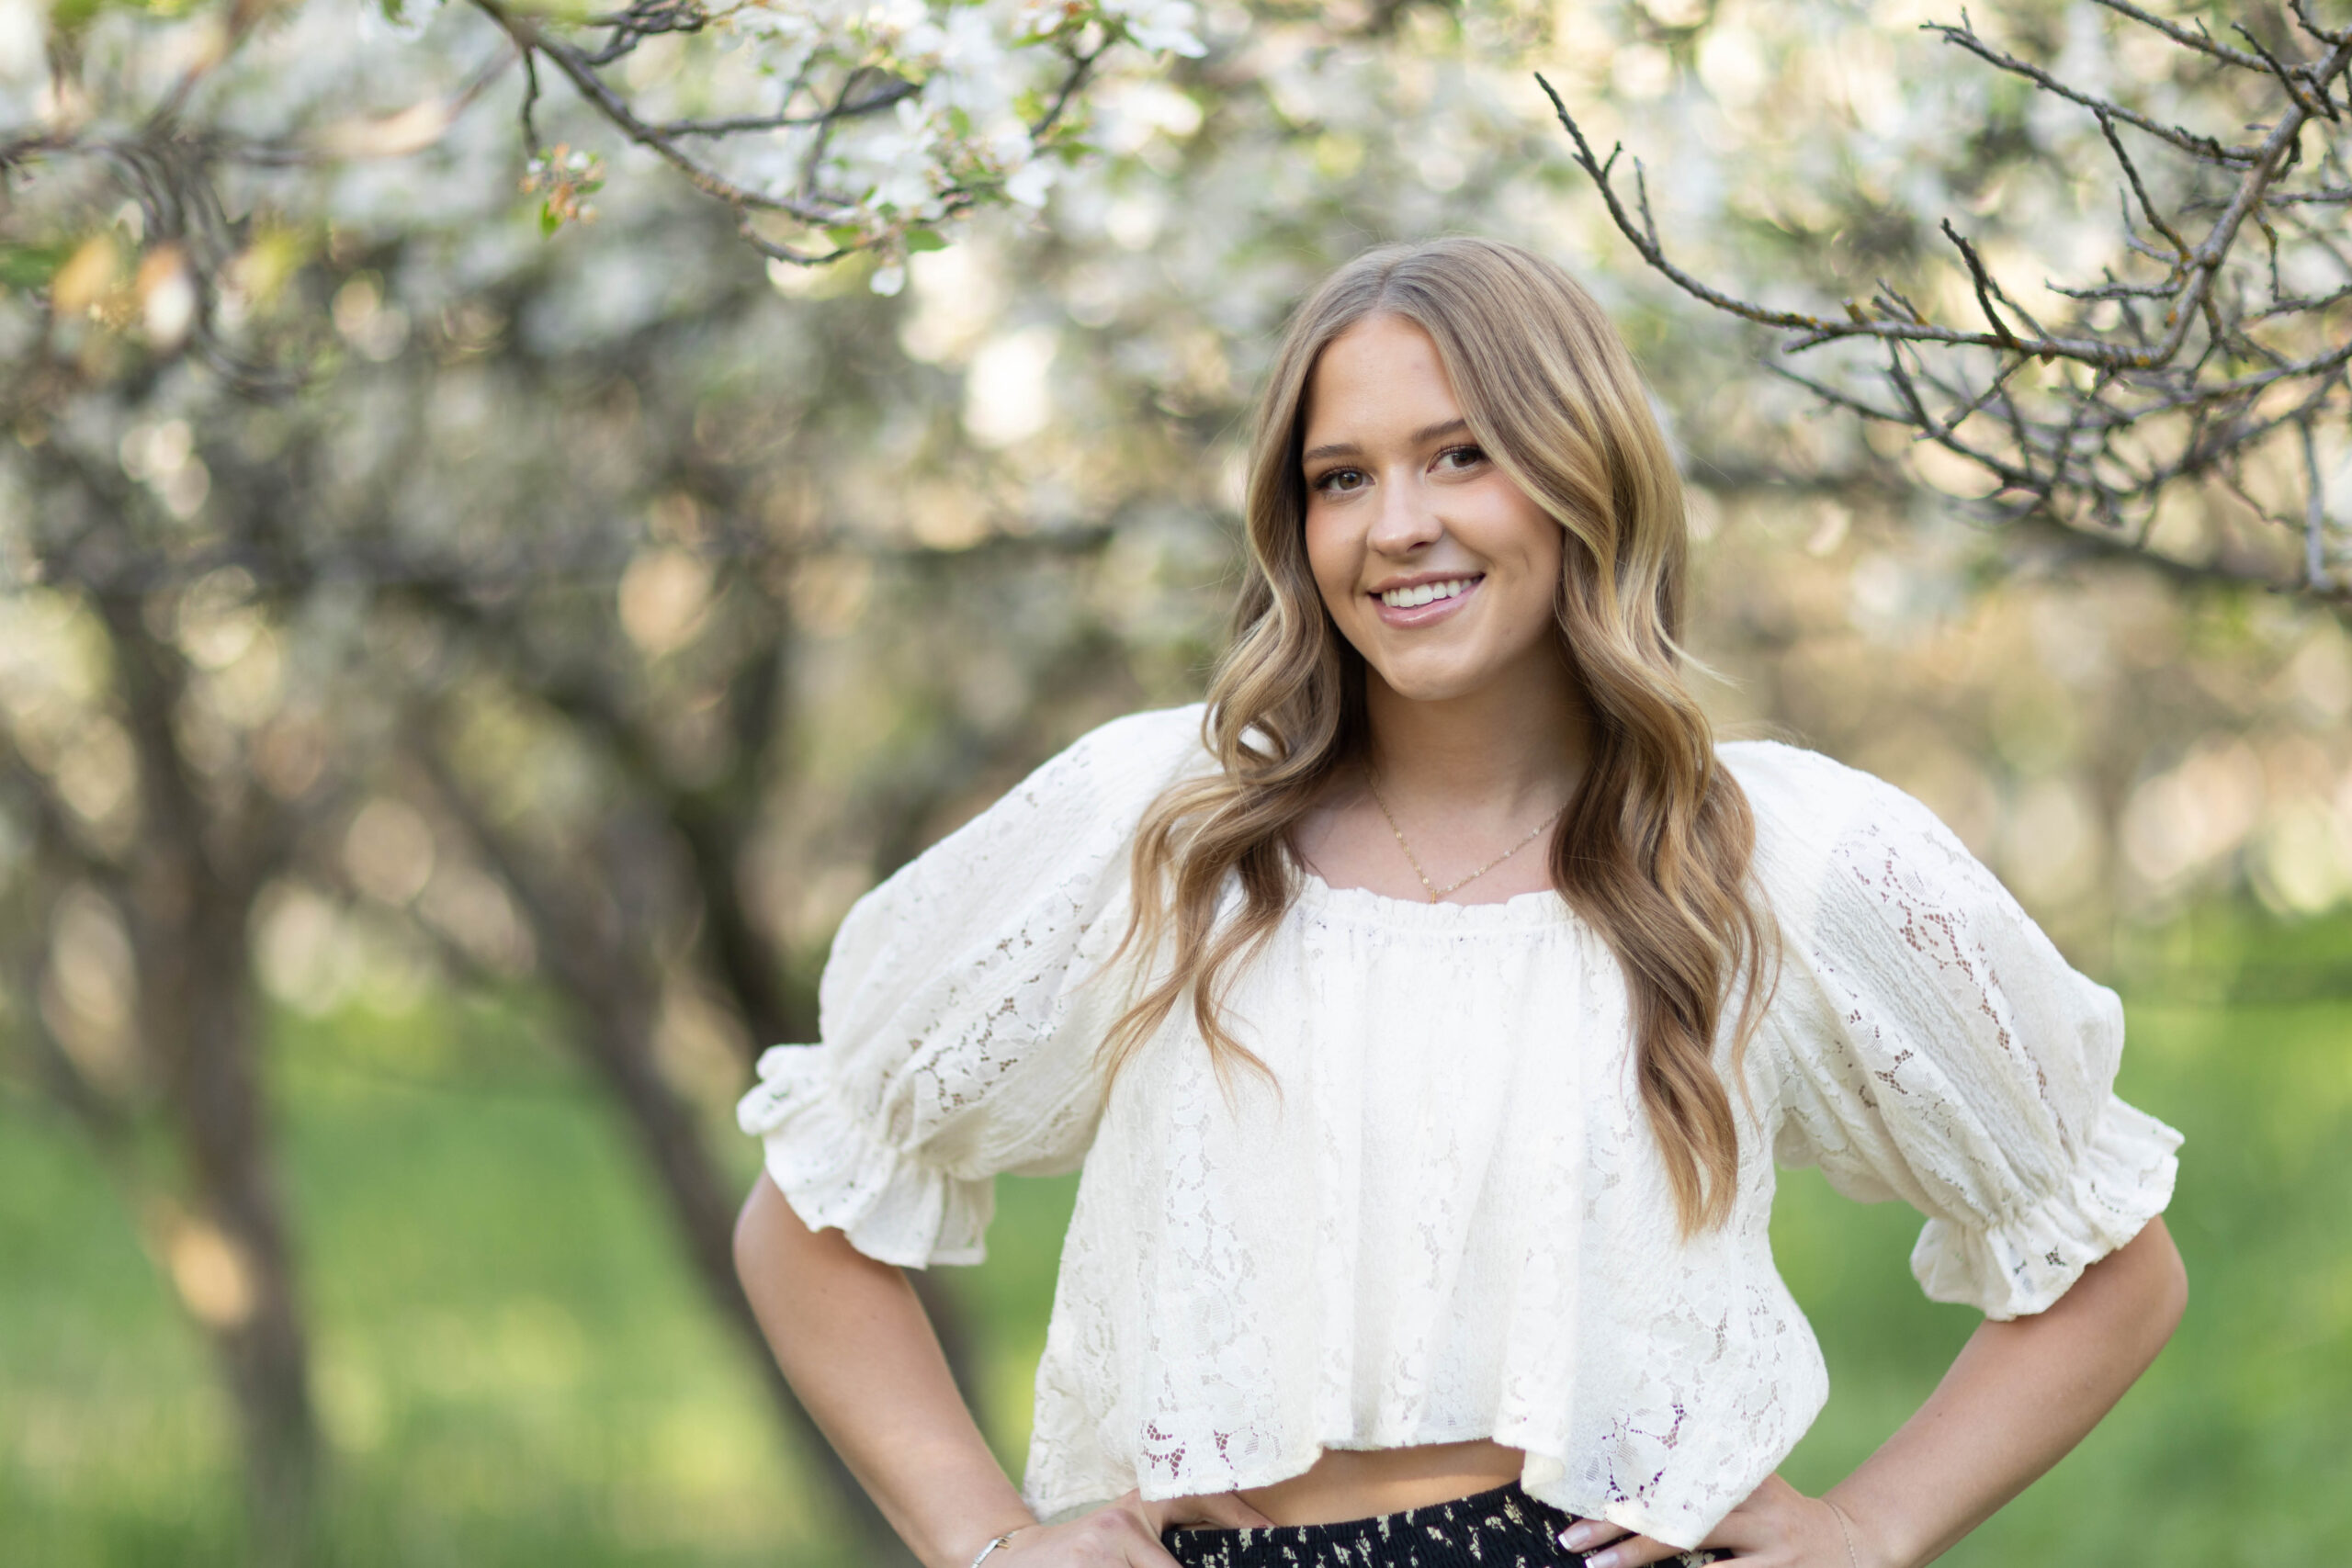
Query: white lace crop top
1452	1222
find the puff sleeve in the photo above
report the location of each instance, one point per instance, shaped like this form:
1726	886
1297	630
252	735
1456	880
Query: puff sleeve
1938	1048
958	1039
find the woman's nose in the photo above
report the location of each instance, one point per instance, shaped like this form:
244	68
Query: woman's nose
1406	520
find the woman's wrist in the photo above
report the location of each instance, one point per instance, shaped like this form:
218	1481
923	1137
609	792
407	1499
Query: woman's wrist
991	1548
1866	1545
1845	1533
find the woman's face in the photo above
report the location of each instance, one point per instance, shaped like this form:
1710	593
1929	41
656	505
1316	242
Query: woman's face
1437	566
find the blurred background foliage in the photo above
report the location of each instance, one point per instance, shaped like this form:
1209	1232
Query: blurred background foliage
453	680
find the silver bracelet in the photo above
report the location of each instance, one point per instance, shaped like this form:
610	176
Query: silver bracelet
1000	1540
1844	1533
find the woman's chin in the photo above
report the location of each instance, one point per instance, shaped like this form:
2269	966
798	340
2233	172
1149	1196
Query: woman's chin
1425	682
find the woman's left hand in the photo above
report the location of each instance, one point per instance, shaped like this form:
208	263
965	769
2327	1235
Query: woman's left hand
1777	1527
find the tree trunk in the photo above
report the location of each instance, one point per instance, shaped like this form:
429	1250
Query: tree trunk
241	1286
191	891
616	1041
596	951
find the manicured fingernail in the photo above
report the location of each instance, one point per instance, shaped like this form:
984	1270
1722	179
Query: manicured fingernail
1602	1560
1575	1537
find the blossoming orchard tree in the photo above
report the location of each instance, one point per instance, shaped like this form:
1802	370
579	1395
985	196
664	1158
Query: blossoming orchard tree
854	127
825	128
199	741
828	130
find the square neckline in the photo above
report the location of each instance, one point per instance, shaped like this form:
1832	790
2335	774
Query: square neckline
1540	908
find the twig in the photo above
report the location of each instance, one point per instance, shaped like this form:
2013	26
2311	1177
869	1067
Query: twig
2187	142
2316	574
2197	39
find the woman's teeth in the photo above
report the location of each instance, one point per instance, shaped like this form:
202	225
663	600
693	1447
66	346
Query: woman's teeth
1426	592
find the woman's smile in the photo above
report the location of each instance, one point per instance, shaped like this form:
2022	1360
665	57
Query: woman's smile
1425	600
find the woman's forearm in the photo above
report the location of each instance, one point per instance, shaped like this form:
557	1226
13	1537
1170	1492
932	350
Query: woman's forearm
2019	1395
856	1347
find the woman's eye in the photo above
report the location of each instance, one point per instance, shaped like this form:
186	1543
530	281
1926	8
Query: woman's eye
1460	457
1339	480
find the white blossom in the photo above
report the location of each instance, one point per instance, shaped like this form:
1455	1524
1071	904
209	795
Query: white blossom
963	138
1027	186
1161	26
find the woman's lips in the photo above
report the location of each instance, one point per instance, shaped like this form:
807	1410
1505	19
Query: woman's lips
1427	614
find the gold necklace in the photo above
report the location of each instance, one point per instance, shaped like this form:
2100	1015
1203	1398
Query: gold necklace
1437	893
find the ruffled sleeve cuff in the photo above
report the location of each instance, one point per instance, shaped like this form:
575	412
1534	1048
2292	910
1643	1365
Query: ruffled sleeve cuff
2024	1262
840	1174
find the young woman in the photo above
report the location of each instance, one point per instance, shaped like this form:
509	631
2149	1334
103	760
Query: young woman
1427	1013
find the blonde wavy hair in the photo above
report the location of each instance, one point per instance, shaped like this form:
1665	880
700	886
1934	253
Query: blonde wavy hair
1653	853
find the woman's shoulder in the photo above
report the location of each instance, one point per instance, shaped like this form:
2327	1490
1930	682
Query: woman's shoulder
1080	805
1811	811
1126	762
1800	795
1030	874
1157	736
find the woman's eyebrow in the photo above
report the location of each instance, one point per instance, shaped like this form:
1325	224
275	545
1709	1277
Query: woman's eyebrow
1422	436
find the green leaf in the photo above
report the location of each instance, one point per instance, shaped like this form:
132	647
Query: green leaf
548	221
923	240
30	266
845	236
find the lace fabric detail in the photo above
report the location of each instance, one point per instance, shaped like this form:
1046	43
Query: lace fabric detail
1444	1218
1968	1070
956	1008
840	1175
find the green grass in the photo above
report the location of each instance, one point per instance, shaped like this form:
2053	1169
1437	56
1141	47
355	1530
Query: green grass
514	1367
2231	1450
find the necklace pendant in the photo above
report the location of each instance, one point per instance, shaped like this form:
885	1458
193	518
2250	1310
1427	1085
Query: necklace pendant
1437	893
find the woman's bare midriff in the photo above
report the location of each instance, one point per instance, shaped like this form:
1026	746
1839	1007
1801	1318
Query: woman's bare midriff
1355	1483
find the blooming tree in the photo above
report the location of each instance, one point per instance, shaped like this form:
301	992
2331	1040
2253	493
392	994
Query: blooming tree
826	128
2201	364
846	125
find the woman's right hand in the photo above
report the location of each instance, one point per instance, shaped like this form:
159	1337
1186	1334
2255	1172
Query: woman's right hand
1125	1534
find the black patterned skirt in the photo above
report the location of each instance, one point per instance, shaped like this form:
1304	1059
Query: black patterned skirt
1502	1529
